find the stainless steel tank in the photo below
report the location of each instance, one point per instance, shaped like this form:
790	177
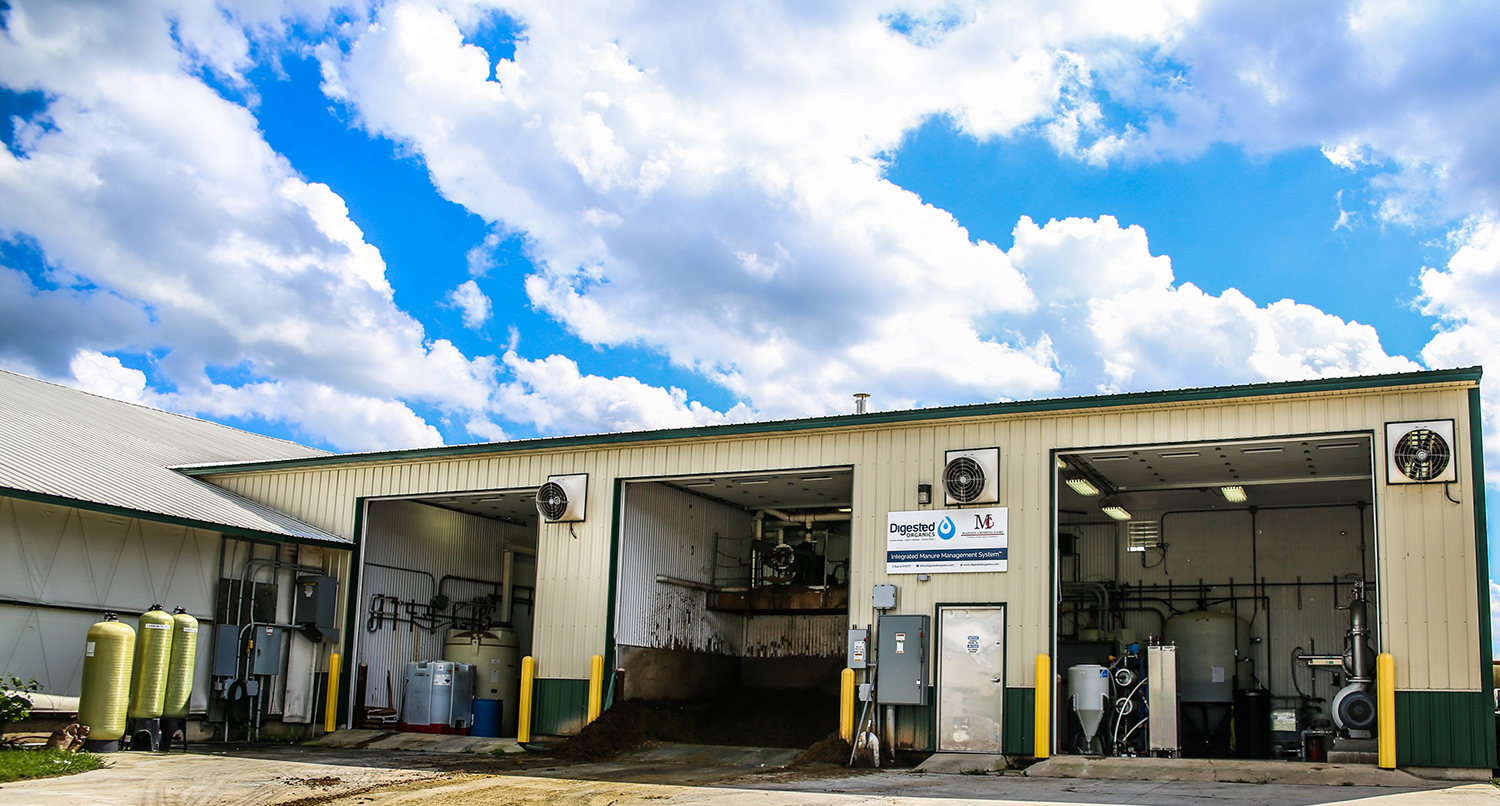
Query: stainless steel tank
1206	643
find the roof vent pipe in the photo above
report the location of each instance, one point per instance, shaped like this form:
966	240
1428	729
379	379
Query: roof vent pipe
860	399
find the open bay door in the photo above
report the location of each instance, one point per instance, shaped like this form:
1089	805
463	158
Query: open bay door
971	679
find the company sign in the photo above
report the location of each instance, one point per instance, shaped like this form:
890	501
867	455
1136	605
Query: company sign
947	541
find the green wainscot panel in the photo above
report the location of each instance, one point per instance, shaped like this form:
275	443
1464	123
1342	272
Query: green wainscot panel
1445	729
559	706
1020	722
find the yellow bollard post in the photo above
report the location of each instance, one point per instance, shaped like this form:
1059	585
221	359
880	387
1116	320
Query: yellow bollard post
1042	741
331	709
523	714
846	706
1385	710
596	687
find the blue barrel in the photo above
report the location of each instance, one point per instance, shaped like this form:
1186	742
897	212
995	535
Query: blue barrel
487	718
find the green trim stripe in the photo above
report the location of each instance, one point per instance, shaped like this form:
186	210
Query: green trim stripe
1019	729
560	706
1314	386
351	618
614	574
1445	729
156	517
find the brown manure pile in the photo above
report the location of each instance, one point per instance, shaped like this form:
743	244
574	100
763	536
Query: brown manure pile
743	718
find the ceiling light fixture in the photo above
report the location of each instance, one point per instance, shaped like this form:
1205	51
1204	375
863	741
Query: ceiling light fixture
1112	508
1081	485
1234	495
1331	446
1178	454
1110	458
1268	449
755	481
818	478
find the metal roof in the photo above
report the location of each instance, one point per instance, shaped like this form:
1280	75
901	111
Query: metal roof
74	447
1464	375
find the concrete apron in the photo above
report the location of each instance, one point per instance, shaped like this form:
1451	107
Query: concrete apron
1241	771
428	742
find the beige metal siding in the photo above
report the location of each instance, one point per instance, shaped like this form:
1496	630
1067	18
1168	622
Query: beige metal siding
1430	611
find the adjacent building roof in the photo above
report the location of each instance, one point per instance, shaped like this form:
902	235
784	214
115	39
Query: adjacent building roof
78	448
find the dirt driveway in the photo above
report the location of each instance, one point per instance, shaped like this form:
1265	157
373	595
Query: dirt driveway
662	776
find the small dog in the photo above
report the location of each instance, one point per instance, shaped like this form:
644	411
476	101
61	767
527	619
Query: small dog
65	737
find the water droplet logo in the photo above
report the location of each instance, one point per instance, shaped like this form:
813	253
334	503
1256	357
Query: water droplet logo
946	528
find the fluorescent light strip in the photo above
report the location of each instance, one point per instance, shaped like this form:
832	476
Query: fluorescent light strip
1082	486
755	481
819	478
1276	449
1110	458
1234	495
1337	445
1118	513
1178	454
699	484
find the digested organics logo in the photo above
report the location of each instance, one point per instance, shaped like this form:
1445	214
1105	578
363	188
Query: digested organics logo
946	528
913	529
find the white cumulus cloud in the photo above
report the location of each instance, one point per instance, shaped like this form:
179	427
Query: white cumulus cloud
472	302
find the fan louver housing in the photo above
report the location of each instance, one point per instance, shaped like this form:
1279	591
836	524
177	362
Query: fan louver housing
562	498
1420	452
971	476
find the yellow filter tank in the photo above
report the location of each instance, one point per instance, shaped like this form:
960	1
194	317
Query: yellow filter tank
180	667
153	653
105	695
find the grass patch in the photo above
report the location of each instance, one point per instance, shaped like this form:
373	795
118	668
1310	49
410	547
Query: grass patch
17	765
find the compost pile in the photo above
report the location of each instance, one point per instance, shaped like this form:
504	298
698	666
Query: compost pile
744	718
832	749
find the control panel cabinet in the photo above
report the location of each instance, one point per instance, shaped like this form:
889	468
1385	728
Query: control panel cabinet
901	659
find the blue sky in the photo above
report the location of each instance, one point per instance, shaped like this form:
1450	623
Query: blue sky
378	225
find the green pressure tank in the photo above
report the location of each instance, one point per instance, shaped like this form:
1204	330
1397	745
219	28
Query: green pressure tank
106	679
153	651
180	669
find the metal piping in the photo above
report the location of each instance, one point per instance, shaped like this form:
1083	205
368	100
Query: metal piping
808	519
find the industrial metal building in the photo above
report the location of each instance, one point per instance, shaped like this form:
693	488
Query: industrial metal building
1083	530
92	520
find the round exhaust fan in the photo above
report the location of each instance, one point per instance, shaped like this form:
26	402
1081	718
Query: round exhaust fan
964	479
552	501
1422	454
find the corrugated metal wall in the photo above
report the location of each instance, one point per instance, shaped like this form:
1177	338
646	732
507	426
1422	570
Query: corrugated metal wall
1428	544
424	543
71	558
665	531
1313	546
670	532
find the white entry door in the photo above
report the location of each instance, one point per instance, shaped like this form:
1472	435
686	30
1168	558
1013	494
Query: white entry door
971	679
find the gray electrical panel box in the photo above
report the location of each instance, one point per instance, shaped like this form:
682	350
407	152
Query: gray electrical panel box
265	650
226	650
317	601
901	673
859	648
883	597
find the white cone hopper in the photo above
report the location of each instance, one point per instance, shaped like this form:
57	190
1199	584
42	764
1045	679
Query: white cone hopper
1089	684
